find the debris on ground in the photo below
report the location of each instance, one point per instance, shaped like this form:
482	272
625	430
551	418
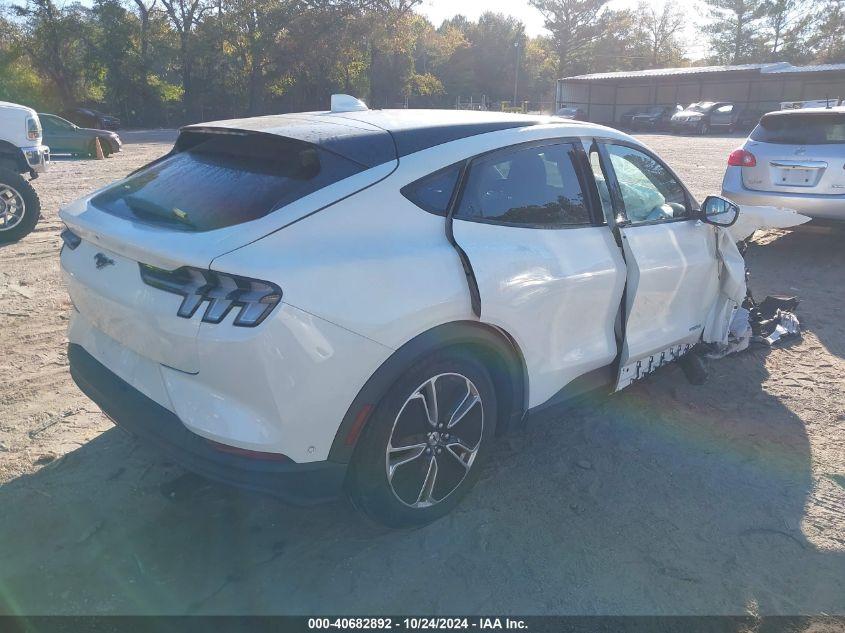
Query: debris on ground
738	320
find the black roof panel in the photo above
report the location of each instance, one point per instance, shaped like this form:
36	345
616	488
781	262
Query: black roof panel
373	137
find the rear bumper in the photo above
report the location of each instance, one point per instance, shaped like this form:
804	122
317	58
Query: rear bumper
301	484
37	157
822	207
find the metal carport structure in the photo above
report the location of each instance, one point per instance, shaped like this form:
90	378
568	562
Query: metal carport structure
607	96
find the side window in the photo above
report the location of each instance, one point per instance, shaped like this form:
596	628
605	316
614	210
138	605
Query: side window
535	187
649	192
433	192
725	109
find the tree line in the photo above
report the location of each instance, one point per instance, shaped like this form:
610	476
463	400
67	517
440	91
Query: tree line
167	62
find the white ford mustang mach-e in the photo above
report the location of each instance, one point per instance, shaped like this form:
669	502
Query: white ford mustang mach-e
361	300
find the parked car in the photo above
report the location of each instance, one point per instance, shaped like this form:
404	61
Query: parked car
793	159
21	152
391	289
656	118
706	116
627	118
64	137
90	118
576	114
747	119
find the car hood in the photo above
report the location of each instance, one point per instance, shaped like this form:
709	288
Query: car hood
688	113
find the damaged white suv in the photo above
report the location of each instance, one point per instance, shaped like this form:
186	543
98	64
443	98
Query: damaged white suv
361	300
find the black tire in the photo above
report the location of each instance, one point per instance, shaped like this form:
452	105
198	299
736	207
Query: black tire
106	148
391	501
704	128
13	187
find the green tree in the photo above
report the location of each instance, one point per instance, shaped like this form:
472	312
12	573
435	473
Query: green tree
827	41
734	30
575	26
56	39
660	27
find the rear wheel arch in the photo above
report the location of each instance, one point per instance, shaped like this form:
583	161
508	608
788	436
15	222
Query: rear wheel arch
11	158
492	346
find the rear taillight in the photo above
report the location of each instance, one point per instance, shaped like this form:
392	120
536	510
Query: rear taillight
254	299
742	158
33	129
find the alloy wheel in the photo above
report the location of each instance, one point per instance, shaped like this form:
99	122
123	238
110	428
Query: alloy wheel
12	207
434	440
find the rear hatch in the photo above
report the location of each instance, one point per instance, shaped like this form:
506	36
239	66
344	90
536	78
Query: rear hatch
798	152
222	186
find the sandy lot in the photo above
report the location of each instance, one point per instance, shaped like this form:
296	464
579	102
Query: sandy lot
665	499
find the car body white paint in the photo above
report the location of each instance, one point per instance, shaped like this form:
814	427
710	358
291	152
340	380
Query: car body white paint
14	122
363	276
666	305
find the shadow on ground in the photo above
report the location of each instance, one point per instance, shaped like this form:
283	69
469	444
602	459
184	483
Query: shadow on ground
667	499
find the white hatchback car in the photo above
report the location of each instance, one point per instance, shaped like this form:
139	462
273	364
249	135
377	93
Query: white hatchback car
360	300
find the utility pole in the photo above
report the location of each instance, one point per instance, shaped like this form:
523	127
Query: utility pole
516	75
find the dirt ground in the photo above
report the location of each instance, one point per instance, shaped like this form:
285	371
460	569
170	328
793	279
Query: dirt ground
665	499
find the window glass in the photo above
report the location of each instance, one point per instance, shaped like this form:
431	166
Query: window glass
649	192
434	192
806	128
536	186
54	123
725	109
223	180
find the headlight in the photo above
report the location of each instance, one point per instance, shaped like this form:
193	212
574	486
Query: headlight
254	298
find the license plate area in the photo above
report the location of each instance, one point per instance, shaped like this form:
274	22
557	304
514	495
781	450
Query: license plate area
799	174
797	177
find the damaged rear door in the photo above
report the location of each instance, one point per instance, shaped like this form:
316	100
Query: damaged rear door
672	266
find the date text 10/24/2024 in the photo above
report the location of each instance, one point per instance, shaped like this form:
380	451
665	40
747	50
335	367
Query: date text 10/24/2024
417	624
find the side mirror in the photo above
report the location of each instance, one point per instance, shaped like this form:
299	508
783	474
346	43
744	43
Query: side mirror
719	211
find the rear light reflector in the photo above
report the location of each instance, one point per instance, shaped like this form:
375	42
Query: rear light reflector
254	299
243	452
742	158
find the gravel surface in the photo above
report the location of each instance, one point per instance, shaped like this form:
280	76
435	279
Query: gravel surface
665	499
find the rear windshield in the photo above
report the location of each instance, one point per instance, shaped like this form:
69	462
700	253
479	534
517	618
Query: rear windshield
220	180
817	128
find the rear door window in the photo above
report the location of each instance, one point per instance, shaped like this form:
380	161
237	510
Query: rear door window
534	187
818	128
225	179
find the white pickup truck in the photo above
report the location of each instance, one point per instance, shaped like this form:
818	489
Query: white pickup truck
21	152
